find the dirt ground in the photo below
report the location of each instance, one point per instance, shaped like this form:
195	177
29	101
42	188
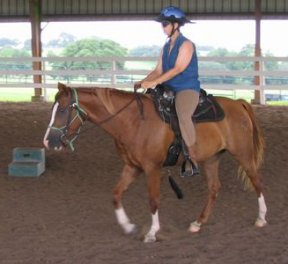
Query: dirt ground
66	214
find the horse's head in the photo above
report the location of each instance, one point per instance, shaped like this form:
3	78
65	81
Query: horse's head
66	119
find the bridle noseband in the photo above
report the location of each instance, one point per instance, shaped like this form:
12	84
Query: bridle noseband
80	114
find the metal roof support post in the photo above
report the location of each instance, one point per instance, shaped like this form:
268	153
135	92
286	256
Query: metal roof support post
257	66
35	17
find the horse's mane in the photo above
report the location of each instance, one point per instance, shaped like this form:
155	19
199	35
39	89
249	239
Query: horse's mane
105	95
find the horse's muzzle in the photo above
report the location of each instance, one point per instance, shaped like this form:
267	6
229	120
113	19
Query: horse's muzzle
54	141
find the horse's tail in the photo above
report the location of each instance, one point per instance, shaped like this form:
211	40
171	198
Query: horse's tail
258	144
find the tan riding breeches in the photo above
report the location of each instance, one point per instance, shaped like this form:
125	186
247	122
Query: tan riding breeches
186	102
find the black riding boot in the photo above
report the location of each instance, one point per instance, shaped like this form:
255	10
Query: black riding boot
189	167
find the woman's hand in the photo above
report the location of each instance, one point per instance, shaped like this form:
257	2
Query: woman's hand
137	85
148	84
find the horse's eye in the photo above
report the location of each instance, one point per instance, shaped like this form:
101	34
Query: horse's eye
62	109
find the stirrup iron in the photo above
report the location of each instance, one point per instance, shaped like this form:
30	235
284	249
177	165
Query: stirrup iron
193	169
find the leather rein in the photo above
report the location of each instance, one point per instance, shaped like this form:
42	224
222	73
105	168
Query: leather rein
82	115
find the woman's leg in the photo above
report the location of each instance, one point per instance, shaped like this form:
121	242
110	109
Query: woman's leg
186	102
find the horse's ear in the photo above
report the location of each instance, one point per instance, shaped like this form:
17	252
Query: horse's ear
62	87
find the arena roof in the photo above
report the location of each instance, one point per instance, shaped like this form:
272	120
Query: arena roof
89	10
72	10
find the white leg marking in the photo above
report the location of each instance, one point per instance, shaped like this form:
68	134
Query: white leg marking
45	141
195	227
261	221
155	227
124	221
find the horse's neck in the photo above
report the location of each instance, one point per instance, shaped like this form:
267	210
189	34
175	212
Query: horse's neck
110	109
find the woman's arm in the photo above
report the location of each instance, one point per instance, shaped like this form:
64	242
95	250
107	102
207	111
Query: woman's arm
153	74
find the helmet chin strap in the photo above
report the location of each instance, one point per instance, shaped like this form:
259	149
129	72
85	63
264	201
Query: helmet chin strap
173	30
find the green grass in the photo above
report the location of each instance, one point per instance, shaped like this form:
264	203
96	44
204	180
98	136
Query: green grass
22	94
282	103
16	94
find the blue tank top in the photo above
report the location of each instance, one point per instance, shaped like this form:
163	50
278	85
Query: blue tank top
188	79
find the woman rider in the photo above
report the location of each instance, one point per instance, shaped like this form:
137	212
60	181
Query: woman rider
177	68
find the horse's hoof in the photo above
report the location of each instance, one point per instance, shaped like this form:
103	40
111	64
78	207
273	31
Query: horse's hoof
130	229
260	222
194	227
149	239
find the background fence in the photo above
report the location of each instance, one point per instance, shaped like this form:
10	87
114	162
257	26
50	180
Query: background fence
122	72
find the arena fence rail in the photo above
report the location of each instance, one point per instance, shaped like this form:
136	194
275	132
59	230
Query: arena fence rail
221	75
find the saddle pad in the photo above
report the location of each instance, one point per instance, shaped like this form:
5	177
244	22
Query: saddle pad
208	110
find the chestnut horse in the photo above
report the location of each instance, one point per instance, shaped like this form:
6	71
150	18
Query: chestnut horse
142	140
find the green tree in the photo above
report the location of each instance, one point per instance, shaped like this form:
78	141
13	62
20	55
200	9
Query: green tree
249	51
225	66
246	51
5	42
271	65
9	52
145	51
210	66
91	47
219	52
27	45
62	41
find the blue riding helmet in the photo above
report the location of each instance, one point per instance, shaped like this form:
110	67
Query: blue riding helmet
173	14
